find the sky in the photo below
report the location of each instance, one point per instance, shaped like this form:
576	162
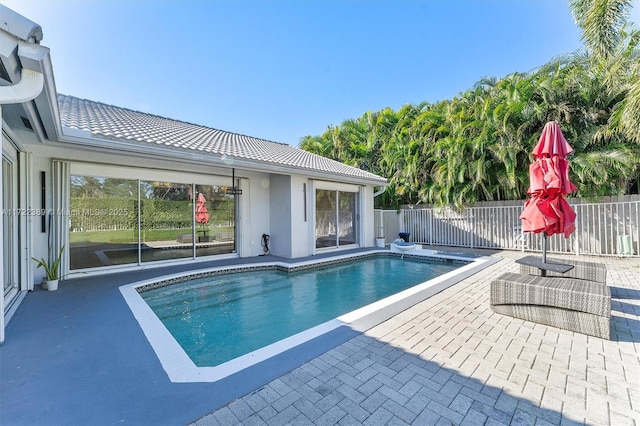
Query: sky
284	69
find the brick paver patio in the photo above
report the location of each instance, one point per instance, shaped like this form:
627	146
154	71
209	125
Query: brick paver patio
451	360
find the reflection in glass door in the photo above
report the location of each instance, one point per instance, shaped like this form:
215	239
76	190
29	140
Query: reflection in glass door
10	231
215	220
166	220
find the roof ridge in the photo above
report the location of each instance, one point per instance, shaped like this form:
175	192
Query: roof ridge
172	119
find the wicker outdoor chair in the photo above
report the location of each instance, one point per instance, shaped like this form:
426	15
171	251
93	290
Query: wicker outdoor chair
568	303
583	270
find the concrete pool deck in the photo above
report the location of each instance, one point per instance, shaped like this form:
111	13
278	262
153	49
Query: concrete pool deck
77	356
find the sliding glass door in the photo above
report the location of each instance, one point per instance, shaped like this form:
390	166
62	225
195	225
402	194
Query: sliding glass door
336	218
116	221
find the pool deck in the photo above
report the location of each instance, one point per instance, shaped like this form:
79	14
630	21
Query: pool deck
77	356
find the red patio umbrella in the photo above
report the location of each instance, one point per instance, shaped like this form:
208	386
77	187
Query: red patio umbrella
201	209
546	210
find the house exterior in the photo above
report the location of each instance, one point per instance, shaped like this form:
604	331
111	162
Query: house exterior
119	189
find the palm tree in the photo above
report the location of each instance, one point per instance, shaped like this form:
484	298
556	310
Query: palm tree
601	22
613	64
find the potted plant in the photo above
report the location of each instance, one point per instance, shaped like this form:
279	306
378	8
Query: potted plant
51	269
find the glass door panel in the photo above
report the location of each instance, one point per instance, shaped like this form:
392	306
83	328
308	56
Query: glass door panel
167	218
326	223
103	222
346	218
215	220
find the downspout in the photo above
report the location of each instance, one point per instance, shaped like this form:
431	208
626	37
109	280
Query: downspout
29	86
381	228
380	191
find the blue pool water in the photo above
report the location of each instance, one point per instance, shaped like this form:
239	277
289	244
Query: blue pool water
219	318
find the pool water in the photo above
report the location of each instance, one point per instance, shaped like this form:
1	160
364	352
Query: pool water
219	318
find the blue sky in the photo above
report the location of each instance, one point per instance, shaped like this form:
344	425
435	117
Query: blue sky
283	69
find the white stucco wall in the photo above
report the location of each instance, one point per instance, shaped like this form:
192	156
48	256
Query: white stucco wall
280	209
290	228
367	219
301	226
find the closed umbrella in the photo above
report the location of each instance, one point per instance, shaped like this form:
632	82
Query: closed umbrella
202	216
547	210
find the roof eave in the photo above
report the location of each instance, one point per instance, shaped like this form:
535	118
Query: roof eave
17	55
87	139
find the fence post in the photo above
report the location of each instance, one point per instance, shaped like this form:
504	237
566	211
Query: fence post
473	226
430	216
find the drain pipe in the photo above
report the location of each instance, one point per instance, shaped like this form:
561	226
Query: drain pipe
380	235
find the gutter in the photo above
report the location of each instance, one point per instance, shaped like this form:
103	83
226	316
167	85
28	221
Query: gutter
86	139
29	86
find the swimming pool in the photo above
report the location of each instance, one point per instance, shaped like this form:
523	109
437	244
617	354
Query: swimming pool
183	351
216	319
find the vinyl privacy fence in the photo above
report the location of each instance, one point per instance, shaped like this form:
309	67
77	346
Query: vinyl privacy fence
608	228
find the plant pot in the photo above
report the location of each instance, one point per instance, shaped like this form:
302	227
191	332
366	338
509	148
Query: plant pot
52	285
380	242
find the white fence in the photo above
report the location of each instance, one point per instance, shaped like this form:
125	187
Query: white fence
605	229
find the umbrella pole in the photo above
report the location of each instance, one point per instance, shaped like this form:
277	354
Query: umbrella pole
543	272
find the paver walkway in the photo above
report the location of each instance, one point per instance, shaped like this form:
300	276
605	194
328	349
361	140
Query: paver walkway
451	360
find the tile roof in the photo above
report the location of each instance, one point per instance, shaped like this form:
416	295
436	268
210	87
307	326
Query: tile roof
113	122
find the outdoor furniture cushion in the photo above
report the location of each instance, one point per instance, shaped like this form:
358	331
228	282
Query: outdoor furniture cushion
590	271
568	303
